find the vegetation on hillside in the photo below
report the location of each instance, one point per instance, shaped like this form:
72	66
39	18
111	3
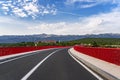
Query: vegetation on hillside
98	42
94	42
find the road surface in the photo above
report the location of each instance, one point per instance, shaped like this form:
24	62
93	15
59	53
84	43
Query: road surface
53	64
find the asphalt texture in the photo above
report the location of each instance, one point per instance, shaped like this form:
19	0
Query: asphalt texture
59	66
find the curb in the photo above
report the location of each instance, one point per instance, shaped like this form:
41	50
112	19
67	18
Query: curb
96	69
22	53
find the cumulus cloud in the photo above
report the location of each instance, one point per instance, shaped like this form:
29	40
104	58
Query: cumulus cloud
66	28
26	8
102	23
95	24
19	12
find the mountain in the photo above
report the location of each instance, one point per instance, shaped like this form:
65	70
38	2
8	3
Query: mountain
41	37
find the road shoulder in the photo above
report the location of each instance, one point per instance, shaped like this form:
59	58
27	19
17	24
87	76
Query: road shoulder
107	70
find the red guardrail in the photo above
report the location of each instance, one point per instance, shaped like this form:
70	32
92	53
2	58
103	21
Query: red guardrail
111	55
14	50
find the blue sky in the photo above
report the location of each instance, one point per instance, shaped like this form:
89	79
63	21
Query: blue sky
62	17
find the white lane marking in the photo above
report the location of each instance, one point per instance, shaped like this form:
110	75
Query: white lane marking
20	57
14	55
93	73
34	68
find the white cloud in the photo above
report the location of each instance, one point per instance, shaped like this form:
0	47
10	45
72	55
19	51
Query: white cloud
48	10
74	1
12	26
102	23
31	8
19	12
25	8
5	8
65	28
88	5
91	3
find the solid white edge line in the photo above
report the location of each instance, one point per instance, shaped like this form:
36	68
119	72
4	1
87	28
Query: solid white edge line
34	68
93	73
22	56
17	58
19	54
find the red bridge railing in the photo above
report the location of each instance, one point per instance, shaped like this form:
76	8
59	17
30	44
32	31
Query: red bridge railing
111	55
14	50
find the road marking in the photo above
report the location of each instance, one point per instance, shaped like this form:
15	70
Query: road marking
93	73
19	57
19	54
34	68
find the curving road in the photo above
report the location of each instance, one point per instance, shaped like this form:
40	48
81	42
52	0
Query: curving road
53	64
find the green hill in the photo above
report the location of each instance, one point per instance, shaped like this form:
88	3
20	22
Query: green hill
94	42
103	42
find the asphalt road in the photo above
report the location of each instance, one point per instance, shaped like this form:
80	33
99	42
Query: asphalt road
54	64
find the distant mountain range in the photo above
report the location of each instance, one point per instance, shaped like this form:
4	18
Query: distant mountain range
41	37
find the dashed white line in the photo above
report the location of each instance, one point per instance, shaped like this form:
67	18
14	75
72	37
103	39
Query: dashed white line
34	68
93	73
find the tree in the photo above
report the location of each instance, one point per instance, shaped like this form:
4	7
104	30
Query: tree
94	44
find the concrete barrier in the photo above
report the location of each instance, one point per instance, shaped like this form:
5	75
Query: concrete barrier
111	55
107	70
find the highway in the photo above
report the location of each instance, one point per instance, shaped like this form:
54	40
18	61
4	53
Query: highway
53	64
